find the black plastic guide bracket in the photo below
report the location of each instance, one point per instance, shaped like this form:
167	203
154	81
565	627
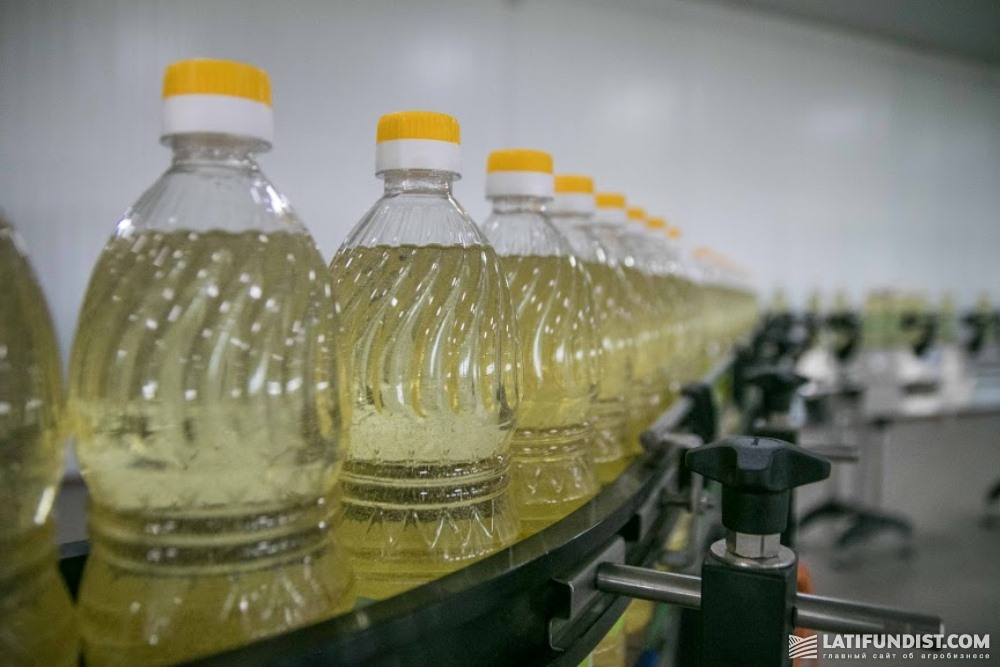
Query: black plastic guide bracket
748	580
703	418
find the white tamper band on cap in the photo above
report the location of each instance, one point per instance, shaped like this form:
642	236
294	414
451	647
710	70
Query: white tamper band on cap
430	154
519	183
572	202
222	114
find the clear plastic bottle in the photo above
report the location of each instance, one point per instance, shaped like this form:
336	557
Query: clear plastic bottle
647	255
37	623
652	250
429	324
205	398
553	471
687	303
714	308
571	211
645	394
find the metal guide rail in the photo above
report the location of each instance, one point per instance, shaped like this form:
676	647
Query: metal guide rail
517	607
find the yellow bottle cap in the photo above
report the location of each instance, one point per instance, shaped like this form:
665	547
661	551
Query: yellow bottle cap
519	159
206	76
656	223
418	125
636	213
574	184
609	200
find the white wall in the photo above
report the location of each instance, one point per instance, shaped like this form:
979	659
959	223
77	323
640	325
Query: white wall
816	157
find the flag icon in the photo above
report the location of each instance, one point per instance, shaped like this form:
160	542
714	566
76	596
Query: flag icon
803	647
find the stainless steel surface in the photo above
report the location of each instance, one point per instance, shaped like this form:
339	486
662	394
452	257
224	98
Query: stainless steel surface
832	615
579	588
749	545
579	584
811	611
639	582
783	558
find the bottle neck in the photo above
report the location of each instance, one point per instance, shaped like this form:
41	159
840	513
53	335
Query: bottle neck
569	218
216	150
518	204
418	182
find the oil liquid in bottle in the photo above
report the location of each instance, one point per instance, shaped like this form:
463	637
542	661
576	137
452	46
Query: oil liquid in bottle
553	464
425	485
37	622
205	445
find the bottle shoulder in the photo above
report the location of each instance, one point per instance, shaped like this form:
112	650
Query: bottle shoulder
525	233
409	219
210	198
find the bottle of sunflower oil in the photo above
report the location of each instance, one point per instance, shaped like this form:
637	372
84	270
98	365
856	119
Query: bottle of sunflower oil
644	400
652	248
681	285
552	457
429	324
571	211
713	320
37	623
689	301
648	257
204	397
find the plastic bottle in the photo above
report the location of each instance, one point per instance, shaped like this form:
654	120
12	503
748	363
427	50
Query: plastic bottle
571	211
37	623
204	393
430	327
553	470
648	253
688	303
714	308
645	395
653	248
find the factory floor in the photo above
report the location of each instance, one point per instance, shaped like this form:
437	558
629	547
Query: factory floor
936	473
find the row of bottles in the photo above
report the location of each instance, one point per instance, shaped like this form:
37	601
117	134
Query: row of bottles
269	441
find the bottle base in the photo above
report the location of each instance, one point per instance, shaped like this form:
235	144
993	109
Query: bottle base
37	620
129	617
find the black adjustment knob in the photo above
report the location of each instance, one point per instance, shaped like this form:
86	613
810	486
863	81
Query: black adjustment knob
757	476
777	388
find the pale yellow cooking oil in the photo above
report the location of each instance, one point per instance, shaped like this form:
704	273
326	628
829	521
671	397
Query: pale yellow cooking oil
553	469
429	331
203	394
614	326
37	622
